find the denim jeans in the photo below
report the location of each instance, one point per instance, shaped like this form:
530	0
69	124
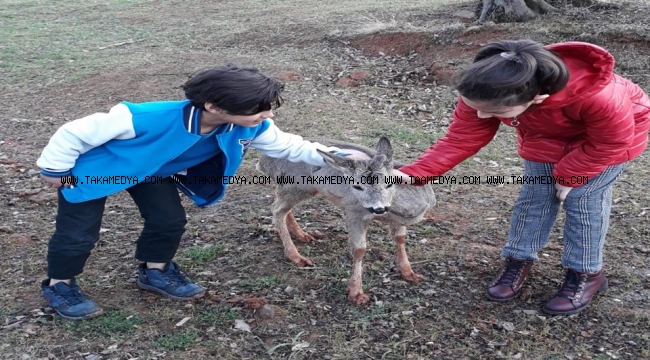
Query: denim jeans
587	209
78	225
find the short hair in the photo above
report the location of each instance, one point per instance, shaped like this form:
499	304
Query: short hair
509	73
239	91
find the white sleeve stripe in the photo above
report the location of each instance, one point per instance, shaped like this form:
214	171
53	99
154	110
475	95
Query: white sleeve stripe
278	144
82	135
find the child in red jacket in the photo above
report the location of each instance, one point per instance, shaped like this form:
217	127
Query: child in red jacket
577	123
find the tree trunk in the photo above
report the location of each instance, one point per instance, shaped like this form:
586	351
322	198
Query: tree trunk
522	10
540	6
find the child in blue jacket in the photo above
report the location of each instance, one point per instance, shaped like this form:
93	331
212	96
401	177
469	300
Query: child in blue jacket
189	144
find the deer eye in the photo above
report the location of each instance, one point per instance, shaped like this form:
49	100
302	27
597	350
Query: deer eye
389	186
357	187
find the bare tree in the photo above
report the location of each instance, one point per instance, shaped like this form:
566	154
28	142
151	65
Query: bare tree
525	10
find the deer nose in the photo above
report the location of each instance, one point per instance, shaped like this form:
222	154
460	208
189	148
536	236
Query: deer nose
378	210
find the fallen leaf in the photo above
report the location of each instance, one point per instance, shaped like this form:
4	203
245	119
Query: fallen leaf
185	319
235	299
29	329
254	303
497	343
266	312
242	325
507	325
302	345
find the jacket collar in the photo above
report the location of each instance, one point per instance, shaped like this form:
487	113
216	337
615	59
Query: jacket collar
192	120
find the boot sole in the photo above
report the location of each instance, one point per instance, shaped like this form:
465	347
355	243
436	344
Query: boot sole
575	311
159	291
501	300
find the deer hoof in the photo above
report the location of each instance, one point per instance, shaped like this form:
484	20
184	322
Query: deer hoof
317	234
412	277
359	299
300	261
305	238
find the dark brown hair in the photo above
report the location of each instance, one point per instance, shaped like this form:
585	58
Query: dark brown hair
509	73
239	91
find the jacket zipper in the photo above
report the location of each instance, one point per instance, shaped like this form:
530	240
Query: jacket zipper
514	121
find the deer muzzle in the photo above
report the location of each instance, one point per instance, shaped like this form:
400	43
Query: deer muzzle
377	210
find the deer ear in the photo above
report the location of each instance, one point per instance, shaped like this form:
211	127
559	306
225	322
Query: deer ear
385	148
339	163
377	162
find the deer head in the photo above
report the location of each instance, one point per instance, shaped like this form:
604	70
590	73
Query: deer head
369	185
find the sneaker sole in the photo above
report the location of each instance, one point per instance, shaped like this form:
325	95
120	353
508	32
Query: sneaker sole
571	312
93	315
162	292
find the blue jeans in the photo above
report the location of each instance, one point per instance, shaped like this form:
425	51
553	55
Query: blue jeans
78	225
587	218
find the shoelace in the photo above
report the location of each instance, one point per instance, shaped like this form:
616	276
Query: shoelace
510	275
571	285
73	297
177	277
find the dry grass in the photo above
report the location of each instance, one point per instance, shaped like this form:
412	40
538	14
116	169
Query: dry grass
63	60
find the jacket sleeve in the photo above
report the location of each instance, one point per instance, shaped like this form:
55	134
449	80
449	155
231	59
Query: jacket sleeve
278	144
609	127
80	136
467	134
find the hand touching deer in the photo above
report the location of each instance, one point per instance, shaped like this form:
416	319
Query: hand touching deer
367	196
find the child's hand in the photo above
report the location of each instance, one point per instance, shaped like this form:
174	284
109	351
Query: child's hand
54	182
562	191
354	155
406	179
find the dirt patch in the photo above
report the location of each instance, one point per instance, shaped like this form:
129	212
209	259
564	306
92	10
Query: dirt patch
441	54
636	41
393	43
286	75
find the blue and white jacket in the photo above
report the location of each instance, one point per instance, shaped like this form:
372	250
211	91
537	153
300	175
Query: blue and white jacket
135	140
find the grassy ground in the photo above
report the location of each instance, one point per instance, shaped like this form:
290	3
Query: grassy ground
63	60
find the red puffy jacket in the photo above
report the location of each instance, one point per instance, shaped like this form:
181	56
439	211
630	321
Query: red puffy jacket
599	119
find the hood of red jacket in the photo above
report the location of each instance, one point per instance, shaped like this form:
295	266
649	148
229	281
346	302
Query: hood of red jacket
590	67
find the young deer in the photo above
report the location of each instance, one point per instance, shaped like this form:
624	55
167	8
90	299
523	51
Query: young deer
365	196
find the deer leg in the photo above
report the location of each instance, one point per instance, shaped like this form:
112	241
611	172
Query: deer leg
284	201
296	230
357	239
398	232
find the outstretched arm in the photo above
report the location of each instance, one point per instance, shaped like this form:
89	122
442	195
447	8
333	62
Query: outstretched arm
278	144
467	134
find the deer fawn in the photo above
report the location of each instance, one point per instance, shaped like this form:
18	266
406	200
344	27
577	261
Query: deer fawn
365	195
